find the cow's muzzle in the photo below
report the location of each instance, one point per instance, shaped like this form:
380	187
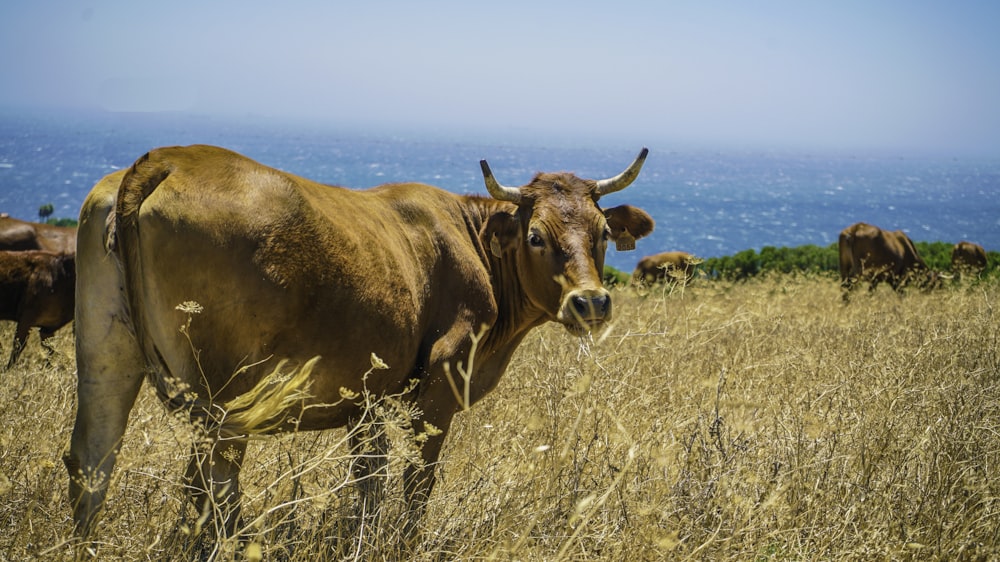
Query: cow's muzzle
585	310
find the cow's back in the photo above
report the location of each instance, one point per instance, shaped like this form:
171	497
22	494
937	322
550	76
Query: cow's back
967	255
657	267
57	239
859	249
18	235
904	253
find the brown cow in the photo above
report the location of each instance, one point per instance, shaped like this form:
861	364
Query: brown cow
22	235
665	266
968	258
869	253
285	268
36	289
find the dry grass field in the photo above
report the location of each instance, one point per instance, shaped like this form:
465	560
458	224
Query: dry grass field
763	420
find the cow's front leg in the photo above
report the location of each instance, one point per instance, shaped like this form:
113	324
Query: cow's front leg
213	478
418	480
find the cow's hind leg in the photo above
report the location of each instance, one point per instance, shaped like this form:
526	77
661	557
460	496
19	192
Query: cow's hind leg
846	285
369	467
110	368
17	346
213	478
45	336
105	395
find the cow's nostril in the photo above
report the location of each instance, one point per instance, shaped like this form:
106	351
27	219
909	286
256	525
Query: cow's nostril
591	307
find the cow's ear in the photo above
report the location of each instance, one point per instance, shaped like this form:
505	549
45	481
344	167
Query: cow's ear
627	223
500	233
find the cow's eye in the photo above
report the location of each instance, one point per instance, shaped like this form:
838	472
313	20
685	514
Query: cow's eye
606	234
535	240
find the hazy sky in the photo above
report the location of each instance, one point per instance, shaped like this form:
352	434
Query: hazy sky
898	75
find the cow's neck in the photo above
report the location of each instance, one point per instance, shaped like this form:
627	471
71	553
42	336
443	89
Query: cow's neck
516	316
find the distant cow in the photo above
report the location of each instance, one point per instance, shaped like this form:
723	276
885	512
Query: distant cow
22	235
281	267
666	266
968	258
868	253
36	289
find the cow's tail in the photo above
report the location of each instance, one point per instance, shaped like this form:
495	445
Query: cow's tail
145	175
845	244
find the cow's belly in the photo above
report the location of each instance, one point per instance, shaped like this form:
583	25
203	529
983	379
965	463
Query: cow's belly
218	324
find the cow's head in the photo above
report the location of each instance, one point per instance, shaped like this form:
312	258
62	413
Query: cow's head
557	238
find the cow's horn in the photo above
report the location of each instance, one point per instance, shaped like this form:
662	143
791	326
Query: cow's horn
500	192
622	180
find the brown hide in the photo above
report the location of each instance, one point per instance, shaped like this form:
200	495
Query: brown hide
286	268
968	257
22	235
665	266
868	253
36	290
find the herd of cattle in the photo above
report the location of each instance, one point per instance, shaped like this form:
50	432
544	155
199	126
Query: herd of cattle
283	267
867	253
38	270
37	278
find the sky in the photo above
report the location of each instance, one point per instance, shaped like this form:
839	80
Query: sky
849	75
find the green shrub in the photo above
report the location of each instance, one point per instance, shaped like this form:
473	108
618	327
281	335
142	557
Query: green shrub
613	277
937	255
62	222
810	258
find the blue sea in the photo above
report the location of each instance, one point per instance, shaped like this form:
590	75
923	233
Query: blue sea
707	202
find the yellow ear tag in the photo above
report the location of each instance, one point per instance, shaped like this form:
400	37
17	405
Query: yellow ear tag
495	245
625	242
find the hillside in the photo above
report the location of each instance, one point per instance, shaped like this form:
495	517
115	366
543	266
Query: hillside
758	420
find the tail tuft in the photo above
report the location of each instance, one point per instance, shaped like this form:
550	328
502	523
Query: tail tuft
266	407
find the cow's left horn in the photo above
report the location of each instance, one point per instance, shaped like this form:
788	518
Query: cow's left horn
500	192
622	180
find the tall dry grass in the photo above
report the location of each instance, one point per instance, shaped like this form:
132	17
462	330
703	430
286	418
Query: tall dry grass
757	421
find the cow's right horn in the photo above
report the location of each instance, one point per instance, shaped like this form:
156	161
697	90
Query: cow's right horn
622	180
500	192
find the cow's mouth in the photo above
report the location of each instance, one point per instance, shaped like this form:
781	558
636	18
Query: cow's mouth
582	328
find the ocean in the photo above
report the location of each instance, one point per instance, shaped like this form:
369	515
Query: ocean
707	202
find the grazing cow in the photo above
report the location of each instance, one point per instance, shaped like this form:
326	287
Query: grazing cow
666	266
22	235
869	253
36	289
283	268
968	258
